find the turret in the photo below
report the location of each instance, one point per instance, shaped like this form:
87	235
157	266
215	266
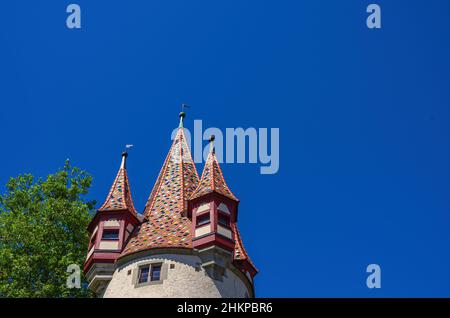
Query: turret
110	230
185	244
213	209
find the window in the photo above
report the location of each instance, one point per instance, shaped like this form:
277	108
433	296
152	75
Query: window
149	273
143	274
155	273
203	219
223	219
110	235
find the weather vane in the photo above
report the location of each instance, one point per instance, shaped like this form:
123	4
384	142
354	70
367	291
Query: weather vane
183	106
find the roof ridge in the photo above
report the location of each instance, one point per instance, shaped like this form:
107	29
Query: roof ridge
223	178
212	154
158	181
182	170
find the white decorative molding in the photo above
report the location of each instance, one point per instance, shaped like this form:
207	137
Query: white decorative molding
203	207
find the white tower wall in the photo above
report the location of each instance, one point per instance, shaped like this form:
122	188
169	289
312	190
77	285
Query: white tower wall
182	276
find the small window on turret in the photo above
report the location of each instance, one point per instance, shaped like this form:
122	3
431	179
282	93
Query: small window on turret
203	219
112	235
224	220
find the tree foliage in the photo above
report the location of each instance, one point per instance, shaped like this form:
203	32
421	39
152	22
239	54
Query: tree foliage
43	229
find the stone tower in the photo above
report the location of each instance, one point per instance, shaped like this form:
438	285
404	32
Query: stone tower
185	244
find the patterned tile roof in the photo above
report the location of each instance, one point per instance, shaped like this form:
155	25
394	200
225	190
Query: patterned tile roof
177	180
119	196
240	254
164	224
212	179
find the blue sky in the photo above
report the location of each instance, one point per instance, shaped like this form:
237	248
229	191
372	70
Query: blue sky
363	116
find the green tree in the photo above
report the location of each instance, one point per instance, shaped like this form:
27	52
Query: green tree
43	229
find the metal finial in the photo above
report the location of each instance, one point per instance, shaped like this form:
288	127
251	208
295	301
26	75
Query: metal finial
182	115
124	159
211	143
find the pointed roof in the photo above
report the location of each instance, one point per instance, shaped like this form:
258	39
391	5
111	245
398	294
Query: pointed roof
177	179
240	254
165	224
119	196
212	178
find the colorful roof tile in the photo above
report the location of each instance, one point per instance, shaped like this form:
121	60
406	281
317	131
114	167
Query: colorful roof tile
165	224
240	254
119	196
212	178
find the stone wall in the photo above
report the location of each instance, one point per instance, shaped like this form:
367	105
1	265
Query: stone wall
183	277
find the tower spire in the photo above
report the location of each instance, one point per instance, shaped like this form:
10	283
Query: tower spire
119	196
212	179
166	224
178	177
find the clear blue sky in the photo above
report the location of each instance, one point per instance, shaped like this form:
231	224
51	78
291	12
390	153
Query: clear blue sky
363	116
